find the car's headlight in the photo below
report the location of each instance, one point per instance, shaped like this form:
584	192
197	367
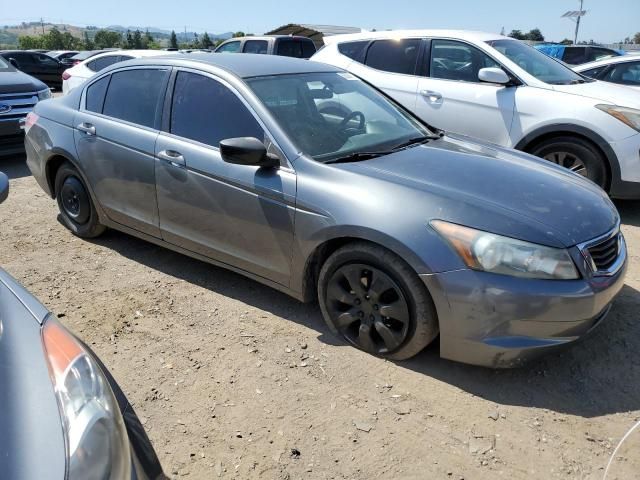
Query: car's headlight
508	256
44	94
96	438
628	116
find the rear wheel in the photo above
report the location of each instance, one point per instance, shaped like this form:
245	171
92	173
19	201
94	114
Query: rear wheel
577	155
376	302
76	208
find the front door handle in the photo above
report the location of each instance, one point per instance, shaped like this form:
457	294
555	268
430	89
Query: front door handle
174	158
431	96
87	128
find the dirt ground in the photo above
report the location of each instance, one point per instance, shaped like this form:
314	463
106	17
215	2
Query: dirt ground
232	379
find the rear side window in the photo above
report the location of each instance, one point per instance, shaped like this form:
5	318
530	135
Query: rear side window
295	48
354	50
95	95
255	46
134	95
103	62
594	72
394	56
206	111
231	47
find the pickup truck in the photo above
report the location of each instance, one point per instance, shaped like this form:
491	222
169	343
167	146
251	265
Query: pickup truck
285	45
19	93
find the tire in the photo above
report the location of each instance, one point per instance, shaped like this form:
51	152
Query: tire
77	210
381	283
577	155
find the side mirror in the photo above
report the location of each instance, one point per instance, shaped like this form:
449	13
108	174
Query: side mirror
493	75
4	187
14	62
247	151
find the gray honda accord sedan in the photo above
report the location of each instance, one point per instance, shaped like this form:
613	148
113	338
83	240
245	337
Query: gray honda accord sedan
307	179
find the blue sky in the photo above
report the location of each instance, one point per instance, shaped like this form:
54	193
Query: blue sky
607	21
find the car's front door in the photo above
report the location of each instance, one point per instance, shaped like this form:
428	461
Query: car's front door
48	68
115	134
451	96
236	214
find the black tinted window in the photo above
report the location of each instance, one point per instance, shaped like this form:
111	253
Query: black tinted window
206	111
354	50
134	95
394	56
594	72
295	48
103	62
574	55
255	46
95	95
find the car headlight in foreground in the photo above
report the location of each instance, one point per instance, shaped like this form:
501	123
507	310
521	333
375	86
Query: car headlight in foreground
95	435
497	254
628	116
44	94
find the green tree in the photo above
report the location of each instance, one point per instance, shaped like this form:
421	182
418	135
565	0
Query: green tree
517	34
206	41
535	35
53	40
137	40
27	42
636	38
107	39
87	43
173	40
147	40
239	34
128	40
566	41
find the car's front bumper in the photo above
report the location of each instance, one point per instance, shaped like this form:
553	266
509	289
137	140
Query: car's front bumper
501	321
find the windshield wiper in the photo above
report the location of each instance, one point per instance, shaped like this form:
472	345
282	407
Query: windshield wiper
358	156
414	141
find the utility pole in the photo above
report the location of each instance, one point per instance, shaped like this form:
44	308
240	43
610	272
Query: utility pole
575	38
42	24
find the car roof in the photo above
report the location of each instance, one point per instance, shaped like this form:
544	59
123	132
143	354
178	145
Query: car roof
607	61
131	53
469	35
266	37
242	65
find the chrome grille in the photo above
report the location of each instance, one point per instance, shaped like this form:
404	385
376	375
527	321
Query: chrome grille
605	253
21	104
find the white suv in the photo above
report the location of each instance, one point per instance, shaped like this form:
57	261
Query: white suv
500	90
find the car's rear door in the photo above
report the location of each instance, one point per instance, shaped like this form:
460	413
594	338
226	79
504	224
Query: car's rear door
49	68
236	214
391	66
451	97
115	132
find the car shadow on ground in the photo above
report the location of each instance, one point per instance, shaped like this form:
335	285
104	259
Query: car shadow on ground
629	212
14	166
597	376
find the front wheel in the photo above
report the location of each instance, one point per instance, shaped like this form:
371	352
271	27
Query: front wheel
376	302
76	208
577	155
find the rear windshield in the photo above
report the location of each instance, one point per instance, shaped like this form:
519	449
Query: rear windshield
296	48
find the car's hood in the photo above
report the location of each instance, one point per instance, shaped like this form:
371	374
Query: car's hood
541	202
603	91
19	82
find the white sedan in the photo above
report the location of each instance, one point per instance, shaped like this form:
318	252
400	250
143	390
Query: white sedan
500	90
79	73
624	70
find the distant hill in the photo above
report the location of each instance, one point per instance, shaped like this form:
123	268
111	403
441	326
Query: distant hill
9	34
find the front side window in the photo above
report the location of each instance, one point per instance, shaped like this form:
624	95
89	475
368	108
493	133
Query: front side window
256	46
396	56
134	96
334	114
624	73
95	95
594	72
354	50
231	47
451	60
206	111
46	60
536	63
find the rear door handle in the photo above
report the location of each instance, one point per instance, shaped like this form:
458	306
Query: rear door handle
174	158
87	128
431	96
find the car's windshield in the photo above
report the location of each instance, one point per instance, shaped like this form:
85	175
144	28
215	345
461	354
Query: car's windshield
334	114
536	63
